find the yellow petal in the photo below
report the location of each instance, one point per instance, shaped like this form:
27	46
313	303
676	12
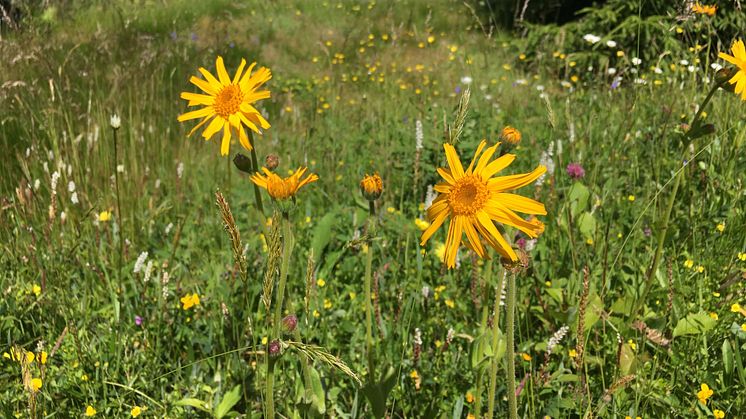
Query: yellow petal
226	145
457	170
222	74
215	126
199	113
238	71
204	85
486	158
434	226
508	183
476	154
495	166
198	99
486	222
521	203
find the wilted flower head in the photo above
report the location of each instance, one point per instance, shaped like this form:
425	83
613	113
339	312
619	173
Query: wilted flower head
371	186
272	161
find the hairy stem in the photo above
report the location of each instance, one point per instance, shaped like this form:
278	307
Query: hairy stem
495	360
368	305
510	350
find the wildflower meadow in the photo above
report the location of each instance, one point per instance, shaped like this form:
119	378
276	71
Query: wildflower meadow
372	209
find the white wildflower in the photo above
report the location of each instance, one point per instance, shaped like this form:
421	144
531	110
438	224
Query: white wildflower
140	262
71	186
418	135
611	71
55	179
74	198
636	61
120	168
148	271
611	44
591	38
115	121
556	338
168	228
466	80
180	170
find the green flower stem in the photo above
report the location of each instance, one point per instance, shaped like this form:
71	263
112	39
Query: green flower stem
495	342
119	206
287	248
487	279
255	164
368	304
669	207
510	350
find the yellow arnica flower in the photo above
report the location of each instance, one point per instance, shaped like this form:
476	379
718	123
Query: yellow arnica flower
510	135
739	60
371	186
704	394
474	200
228	103
190	300
701	9
279	188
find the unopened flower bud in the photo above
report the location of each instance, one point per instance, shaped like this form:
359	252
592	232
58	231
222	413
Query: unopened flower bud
274	348
516	266
511	135
371	186
243	163
272	161
724	75
289	323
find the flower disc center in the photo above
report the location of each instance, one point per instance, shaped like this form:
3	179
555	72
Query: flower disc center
228	101
468	195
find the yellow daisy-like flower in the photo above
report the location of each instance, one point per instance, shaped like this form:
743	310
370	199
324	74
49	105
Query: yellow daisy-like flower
474	200
228	103
703	9
704	393
279	188
739	60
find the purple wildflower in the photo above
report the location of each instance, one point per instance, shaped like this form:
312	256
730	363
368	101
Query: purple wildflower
138	320
575	170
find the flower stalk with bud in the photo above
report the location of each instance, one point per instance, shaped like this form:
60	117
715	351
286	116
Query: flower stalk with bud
371	187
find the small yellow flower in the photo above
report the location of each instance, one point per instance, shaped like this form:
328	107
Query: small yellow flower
700	268
316	314
353	295
430	39
620	53
449	303
632	344
713	315
90	411
30	357
743	327
414	375
469	397
702	9
43	357
35	384
6	355
574	78
327	304
421	224
264	340
719	414
589	241
720	227
470	416
36	289
525	356
631	198
572	353
320	282
689	264
189	301
438	343
704	394
136	411
522	57
84	377
742	256
104	216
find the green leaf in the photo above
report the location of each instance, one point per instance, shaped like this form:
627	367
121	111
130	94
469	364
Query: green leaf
694	324
627	360
322	234
195	403
587	224
318	398
578	197
378	392
229	400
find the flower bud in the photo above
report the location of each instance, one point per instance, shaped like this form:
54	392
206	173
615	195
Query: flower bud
242	163
371	186
274	348
289	323
724	75
511	135
272	161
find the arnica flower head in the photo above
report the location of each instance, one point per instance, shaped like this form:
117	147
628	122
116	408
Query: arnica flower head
704	394
575	170
283	188
228	103
739	60
371	186
473	200
510	135
702	9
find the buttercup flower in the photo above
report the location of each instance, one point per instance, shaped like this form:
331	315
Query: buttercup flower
189	301
474	200
704	394
279	188
35	384
739	60
90	411
228	103
136	411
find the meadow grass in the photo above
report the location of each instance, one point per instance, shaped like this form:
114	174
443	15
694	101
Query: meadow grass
345	102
